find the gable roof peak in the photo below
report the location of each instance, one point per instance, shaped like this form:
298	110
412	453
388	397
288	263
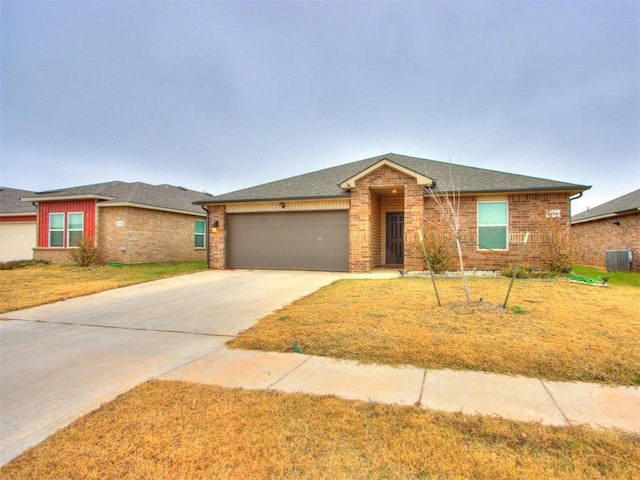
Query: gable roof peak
421	179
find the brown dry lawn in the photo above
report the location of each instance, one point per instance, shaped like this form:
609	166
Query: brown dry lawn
561	331
173	430
40	284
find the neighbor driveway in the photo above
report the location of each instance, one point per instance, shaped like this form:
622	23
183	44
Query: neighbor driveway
60	361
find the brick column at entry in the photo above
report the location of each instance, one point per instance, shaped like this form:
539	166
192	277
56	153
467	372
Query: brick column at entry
217	252
359	225
413	220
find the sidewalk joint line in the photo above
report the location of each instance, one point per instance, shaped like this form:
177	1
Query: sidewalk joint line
309	357
566	419
116	327
424	380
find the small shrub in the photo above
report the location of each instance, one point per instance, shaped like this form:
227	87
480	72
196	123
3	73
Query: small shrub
85	252
557	248
439	250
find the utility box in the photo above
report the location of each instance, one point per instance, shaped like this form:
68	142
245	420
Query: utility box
618	260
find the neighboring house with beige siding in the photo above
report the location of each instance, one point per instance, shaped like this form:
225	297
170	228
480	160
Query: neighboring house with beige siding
17	225
366	214
127	222
612	226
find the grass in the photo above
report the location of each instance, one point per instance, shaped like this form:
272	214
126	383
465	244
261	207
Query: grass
551	330
185	431
37	284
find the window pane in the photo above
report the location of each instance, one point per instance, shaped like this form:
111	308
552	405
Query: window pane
74	238
76	221
199	241
56	221
55	238
494	238
492	213
199	226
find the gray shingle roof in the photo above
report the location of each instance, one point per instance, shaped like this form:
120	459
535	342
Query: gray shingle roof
164	197
326	183
11	205
624	204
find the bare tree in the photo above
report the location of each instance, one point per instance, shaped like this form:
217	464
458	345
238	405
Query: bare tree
448	203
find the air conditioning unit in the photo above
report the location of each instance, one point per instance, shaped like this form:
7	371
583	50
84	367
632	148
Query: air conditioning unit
618	260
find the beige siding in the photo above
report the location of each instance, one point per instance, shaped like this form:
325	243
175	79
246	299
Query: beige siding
288	206
376	231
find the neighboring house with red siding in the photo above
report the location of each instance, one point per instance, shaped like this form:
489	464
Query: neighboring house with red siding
17	225
612	226
366	214
127	222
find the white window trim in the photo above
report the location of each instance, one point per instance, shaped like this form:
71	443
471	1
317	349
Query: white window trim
69	230
479	248
64	222
196	234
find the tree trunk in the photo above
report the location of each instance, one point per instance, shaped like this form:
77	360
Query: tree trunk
464	278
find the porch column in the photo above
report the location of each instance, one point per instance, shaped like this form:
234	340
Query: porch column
359	224
217	237
413	219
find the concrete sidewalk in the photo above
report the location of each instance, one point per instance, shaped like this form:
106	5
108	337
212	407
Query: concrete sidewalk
515	398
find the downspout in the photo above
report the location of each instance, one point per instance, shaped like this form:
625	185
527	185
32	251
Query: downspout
37	205
206	237
579	195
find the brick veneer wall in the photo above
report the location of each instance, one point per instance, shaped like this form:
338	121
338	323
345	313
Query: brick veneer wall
594	238
146	236
527	213
53	255
217	239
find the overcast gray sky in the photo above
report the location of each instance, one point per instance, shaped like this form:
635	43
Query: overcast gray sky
219	96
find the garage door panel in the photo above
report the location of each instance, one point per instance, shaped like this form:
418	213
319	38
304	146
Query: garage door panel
289	241
17	241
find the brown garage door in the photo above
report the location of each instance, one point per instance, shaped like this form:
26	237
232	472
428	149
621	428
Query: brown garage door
289	241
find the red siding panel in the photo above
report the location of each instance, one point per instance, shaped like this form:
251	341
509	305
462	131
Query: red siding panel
18	219
88	207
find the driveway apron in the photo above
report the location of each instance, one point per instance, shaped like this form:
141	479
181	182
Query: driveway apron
63	360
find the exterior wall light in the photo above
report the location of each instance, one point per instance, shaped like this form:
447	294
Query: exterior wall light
214	226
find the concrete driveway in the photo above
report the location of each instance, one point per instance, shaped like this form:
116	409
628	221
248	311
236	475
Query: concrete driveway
60	361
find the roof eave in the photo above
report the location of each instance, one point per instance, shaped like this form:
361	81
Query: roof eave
65	198
23	214
150	207
271	199
604	216
573	189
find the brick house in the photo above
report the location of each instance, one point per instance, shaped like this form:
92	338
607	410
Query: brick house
614	225
366	214
128	222
17	225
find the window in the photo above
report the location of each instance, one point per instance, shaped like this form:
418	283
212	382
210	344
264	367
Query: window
199	234
75	228
56	229
492	225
